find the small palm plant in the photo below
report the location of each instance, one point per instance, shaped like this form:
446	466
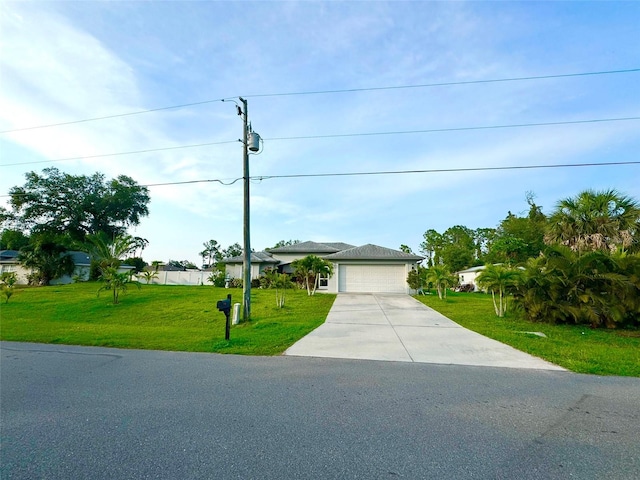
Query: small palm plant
149	275
500	281
441	278
281	283
116	282
7	282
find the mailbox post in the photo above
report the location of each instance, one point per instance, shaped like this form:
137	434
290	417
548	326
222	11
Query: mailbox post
225	307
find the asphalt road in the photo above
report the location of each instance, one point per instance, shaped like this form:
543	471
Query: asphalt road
96	413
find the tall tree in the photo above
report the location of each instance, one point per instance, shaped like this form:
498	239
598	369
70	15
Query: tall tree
519	238
141	244
431	246
211	253
285	243
13	240
596	220
234	250
405	248
77	205
458	248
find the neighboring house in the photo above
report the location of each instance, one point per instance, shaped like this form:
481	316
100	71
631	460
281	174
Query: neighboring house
368	268
259	262
9	263
468	276
82	264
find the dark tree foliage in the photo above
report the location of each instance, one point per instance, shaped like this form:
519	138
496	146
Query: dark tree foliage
137	262
181	264
234	250
519	238
13	240
285	243
48	257
77	205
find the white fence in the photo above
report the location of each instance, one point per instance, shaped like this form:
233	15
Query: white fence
179	278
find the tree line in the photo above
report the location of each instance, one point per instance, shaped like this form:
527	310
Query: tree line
581	264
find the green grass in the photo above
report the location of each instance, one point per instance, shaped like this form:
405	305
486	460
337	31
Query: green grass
178	318
577	348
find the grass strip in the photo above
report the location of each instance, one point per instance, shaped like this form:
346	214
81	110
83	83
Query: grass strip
158	317
575	347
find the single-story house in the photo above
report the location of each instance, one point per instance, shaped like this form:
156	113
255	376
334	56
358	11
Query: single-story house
259	262
368	268
469	275
9	263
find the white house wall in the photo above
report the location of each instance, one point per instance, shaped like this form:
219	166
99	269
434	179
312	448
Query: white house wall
234	270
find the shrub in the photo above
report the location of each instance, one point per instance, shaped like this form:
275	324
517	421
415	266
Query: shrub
7	282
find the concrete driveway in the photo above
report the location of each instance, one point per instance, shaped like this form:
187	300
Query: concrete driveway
400	328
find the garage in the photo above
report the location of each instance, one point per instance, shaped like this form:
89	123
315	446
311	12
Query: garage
372	278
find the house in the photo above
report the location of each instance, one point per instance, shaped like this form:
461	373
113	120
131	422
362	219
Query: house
9	263
468	277
368	268
259	262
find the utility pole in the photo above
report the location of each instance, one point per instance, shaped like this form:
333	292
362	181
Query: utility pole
246	263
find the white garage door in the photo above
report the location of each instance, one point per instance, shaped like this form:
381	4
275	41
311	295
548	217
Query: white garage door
372	278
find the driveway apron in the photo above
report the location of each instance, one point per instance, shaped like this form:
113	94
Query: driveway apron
400	328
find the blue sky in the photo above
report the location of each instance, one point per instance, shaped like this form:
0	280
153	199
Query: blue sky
66	61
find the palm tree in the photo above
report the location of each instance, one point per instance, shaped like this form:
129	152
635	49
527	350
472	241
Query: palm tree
140	244
48	258
500	280
441	278
595	288
310	268
110	252
595	221
116	282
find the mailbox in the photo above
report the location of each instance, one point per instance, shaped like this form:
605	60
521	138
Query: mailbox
224	306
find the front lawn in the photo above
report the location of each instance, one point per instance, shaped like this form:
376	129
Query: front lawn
577	348
158	317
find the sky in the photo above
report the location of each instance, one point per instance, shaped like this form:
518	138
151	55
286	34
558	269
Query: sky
68	61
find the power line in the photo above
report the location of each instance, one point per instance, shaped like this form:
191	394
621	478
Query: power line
188	182
120	153
390	172
364	134
444	84
458	129
106	117
404	172
325	92
445	170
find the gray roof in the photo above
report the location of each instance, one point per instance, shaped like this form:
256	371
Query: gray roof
373	252
79	258
312	247
473	269
9	254
256	257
